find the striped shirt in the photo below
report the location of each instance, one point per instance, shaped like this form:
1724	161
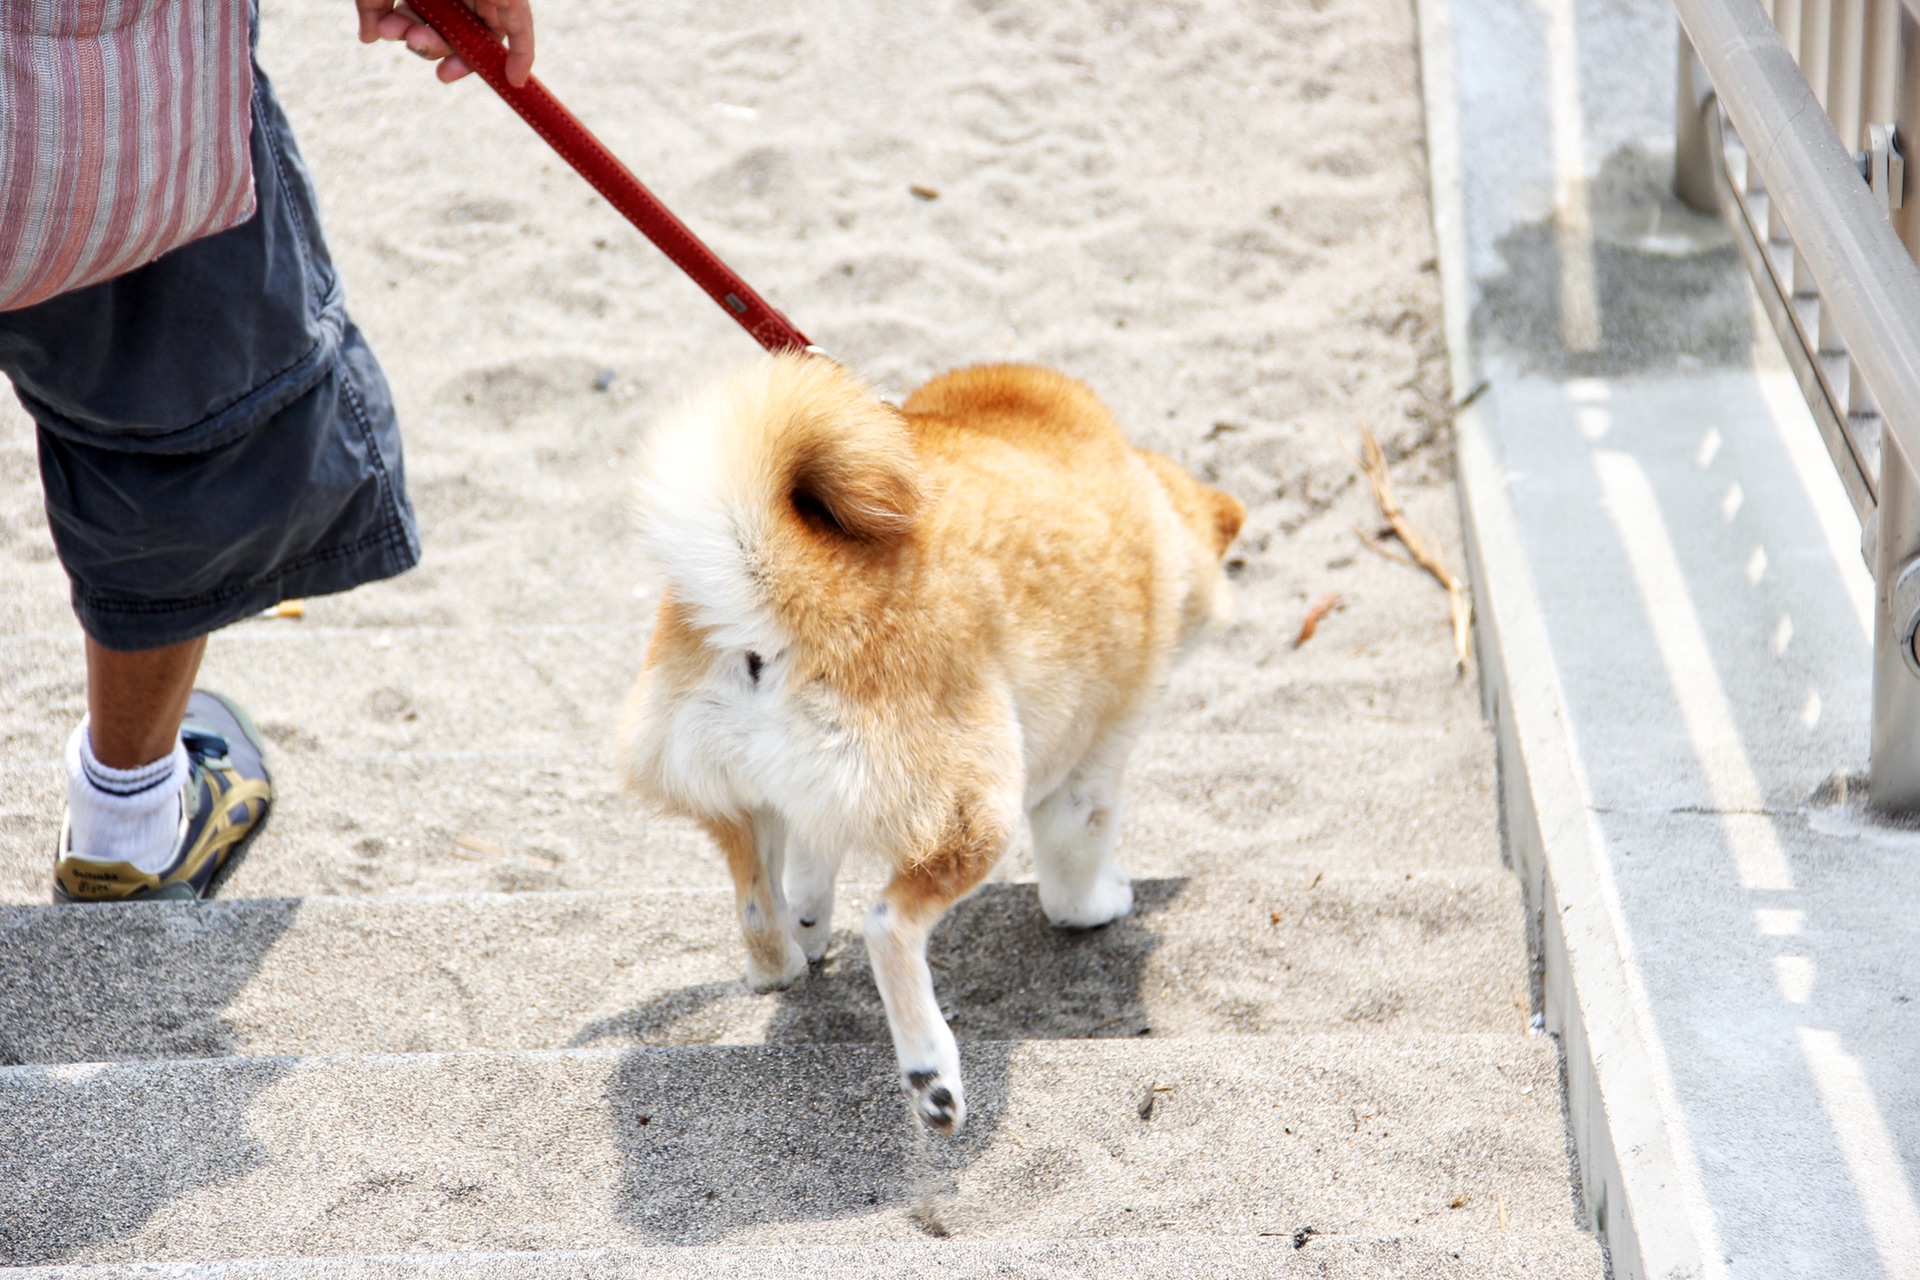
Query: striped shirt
124	131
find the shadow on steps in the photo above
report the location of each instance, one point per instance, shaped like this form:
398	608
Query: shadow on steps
1001	970
787	1145
166	1143
140	980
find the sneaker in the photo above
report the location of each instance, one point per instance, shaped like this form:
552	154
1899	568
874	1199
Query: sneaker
223	806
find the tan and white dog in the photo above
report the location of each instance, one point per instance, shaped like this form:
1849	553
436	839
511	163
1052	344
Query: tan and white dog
901	634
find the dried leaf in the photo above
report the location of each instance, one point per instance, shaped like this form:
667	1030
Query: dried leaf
1320	609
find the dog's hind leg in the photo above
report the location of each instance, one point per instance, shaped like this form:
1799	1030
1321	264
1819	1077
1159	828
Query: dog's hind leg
897	930
755	847
810	875
1075	832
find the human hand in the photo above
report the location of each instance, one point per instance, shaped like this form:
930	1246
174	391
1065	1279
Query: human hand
513	19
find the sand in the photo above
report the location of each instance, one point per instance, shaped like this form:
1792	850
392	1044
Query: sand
1213	213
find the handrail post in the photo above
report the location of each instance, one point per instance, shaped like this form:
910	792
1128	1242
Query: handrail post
1894	783
1904	94
1693	158
1816	34
1846	69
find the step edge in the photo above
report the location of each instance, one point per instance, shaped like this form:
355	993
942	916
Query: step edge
1477	877
1569	1232
1517	1042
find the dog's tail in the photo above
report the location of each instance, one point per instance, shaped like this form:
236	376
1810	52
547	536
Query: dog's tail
765	497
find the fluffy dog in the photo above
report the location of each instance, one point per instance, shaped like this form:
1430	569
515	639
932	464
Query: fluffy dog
904	634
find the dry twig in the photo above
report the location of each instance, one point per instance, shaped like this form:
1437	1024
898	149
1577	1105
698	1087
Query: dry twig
1371	541
1320	609
1373	465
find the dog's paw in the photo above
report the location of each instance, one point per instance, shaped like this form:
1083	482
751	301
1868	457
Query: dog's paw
813	933
764	978
1109	898
937	1099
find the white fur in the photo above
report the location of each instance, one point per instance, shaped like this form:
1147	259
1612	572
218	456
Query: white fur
701	503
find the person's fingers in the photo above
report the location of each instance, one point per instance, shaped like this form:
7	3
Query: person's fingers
428	43
519	60
401	22
512	19
371	13
519	26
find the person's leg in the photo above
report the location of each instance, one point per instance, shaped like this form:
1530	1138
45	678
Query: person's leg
127	767
215	437
135	701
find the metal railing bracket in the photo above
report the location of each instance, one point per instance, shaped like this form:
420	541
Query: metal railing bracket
1906	612
1882	165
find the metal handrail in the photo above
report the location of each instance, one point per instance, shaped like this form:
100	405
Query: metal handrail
1842	287
1862	270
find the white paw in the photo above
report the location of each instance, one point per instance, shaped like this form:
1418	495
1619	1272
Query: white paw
809	884
1106	900
813	937
764	978
937	1098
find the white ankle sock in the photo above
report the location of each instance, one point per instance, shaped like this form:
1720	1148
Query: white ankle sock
124	815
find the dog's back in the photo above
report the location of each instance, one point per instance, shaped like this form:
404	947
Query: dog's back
996	540
1098	561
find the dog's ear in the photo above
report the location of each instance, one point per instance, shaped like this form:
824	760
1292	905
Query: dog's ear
1214	517
1229	513
855	481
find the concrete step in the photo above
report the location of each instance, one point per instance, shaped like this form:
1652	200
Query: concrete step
250	1158
1437	1255
551	970
393	744
433	809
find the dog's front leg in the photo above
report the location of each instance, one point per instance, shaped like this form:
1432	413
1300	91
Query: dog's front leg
810	876
1075	832
755	849
897	930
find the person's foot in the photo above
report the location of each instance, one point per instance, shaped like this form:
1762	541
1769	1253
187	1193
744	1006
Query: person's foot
223	806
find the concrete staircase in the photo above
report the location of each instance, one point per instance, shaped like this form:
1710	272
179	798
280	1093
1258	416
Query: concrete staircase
1305	1053
550	1080
466	1010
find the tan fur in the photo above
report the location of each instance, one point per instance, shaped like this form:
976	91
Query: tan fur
941	617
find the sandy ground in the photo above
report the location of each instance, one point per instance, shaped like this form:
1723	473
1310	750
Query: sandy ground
1213	213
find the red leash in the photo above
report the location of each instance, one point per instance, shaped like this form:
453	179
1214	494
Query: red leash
481	50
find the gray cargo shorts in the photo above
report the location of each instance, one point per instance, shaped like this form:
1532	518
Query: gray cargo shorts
214	433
